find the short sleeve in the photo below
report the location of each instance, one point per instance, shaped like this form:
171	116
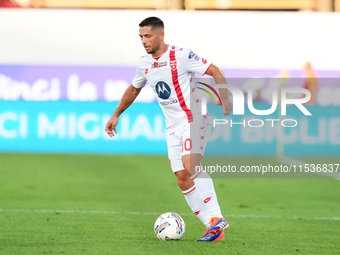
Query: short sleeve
194	63
139	81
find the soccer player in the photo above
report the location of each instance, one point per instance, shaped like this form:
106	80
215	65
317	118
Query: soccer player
170	70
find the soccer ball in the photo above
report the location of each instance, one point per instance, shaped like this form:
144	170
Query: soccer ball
169	226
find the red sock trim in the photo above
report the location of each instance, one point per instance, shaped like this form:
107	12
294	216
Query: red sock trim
191	190
195	175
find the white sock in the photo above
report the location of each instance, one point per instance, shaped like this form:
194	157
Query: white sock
205	187
195	201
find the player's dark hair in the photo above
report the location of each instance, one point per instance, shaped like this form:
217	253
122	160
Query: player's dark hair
154	22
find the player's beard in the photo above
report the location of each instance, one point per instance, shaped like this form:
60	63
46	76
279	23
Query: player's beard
153	50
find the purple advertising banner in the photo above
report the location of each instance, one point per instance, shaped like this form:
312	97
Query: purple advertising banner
105	83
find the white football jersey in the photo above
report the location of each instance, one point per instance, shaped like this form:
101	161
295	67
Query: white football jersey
171	78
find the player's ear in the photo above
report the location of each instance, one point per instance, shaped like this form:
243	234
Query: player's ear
161	35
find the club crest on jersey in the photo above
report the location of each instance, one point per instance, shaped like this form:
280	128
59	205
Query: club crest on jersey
163	90
173	65
158	64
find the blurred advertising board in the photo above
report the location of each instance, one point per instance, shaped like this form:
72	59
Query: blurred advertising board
102	83
78	127
65	108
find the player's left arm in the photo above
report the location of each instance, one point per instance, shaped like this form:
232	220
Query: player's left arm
219	77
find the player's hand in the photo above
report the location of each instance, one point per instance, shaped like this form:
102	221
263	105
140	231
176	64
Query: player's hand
111	125
227	106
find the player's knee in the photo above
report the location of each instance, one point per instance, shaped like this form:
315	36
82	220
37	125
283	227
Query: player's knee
186	164
183	178
191	163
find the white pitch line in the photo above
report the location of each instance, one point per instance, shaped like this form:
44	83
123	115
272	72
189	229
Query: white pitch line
157	213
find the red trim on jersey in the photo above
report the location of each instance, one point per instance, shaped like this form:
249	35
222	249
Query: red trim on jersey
178	88
207	69
187	193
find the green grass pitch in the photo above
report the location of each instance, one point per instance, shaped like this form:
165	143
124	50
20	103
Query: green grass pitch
102	204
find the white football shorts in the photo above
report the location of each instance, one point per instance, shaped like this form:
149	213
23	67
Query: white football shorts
190	139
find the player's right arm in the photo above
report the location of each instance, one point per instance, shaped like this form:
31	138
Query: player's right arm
129	96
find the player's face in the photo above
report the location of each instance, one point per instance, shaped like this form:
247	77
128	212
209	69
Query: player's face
151	38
